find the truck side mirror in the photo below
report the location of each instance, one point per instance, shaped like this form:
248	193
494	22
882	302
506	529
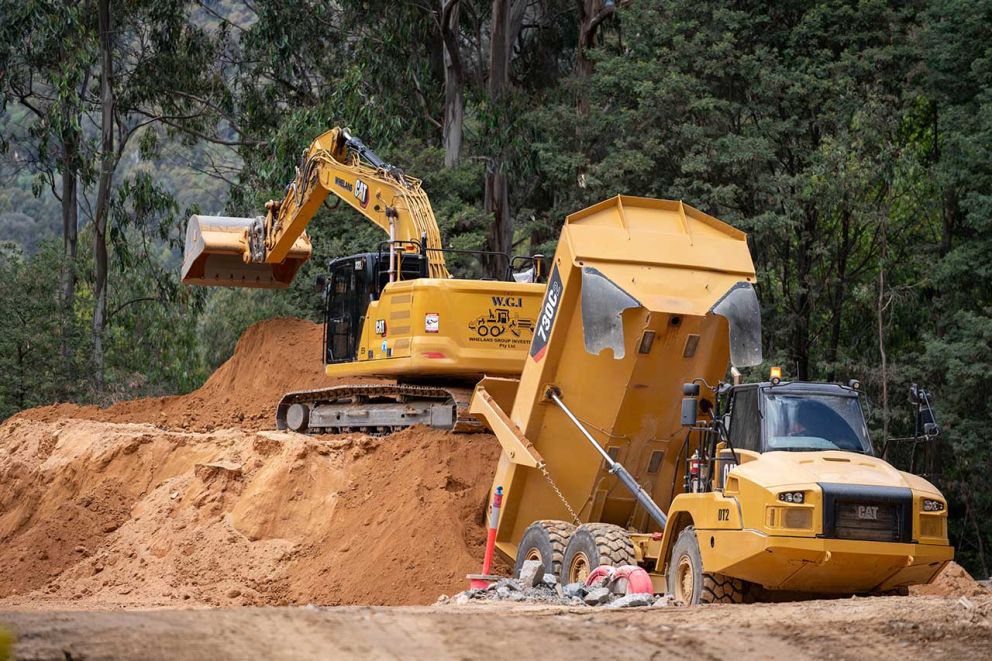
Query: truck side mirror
925	418
926	421
320	283
690	404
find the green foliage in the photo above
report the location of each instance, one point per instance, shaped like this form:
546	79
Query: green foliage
228	312
957	86
29	353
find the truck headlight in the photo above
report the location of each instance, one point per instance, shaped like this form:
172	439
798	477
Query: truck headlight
792	496
932	505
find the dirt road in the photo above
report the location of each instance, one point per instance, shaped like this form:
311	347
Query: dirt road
890	628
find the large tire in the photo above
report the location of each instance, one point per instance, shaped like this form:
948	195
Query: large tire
592	545
689	584
545	541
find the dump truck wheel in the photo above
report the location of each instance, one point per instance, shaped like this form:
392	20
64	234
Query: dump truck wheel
545	541
689	584
592	545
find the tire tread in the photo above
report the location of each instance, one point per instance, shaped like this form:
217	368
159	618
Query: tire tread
558	533
615	547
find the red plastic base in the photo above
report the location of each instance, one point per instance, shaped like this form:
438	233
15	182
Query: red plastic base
635	580
480	581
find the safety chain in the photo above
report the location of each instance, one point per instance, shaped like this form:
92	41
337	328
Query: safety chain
561	496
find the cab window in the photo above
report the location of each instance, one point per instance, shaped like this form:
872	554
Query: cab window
745	420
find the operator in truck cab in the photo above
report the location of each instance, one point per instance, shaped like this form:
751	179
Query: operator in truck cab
815	423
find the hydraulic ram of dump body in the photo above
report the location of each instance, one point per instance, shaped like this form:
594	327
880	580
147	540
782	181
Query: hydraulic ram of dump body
638	302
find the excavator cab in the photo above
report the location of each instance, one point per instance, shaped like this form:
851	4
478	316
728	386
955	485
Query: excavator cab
350	285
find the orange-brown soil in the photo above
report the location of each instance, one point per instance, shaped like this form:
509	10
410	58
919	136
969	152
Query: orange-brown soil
189	500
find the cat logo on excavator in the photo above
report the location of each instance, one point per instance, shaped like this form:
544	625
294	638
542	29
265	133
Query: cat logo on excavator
362	192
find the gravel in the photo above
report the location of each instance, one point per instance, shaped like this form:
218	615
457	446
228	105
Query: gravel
549	591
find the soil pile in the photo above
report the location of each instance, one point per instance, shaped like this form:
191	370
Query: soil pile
94	514
272	358
952	581
186	501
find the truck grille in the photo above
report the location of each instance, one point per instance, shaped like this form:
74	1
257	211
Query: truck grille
873	514
869	521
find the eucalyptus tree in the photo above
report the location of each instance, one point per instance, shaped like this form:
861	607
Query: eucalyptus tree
46	69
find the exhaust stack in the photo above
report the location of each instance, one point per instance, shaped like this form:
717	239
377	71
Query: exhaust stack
216	254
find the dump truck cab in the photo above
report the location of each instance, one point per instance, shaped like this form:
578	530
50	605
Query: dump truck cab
801	503
797	417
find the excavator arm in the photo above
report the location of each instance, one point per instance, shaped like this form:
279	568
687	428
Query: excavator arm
267	251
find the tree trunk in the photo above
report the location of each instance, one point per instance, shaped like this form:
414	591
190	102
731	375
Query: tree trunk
103	190
804	299
499	49
978	534
591	14
883	359
454	83
70	240
21	380
497	191
498	202
839	294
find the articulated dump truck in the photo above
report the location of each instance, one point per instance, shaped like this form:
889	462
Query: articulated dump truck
623	445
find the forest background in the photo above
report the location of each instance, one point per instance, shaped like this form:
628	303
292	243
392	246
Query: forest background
852	141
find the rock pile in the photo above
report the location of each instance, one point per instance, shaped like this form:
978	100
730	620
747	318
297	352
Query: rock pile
536	587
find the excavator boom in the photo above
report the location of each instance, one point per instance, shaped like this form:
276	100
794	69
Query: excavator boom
267	251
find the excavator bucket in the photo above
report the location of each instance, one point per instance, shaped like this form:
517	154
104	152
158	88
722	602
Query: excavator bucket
214	255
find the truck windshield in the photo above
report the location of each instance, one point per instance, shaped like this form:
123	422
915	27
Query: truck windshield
808	421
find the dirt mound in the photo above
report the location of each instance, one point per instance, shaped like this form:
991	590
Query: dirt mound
183	501
272	358
952	581
94	514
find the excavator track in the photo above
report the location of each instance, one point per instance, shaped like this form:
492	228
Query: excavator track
376	409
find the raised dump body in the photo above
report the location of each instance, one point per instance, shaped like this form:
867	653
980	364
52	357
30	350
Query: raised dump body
632	312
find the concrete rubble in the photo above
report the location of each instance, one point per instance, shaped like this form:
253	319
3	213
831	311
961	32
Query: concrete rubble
547	590
532	573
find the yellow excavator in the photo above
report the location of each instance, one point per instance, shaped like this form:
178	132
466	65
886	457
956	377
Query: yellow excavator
394	313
